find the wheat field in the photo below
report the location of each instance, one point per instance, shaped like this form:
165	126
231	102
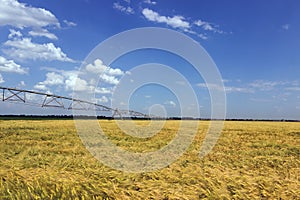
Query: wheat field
45	159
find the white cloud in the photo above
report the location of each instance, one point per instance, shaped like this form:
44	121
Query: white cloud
148	96
53	78
67	79
202	36
125	9
182	23
150	2
99	68
69	23
229	89
25	49
20	15
115	72
14	33
103	90
285	26
225	80
22	84
265	85
70	80
109	79
1	79
199	22
76	84
106	73
257	85
207	26
40	87
170	103
190	31
238	89
176	21
11	66
103	99
43	33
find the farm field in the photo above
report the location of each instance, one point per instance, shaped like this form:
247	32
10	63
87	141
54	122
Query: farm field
45	159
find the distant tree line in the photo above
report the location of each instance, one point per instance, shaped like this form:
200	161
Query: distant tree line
126	118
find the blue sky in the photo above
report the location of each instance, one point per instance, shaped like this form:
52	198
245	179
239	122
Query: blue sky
255	45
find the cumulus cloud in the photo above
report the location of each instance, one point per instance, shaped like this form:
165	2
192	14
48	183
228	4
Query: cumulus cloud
53	78
98	67
25	49
109	79
124	9
76	84
36	21
11	66
20	15
106	73
176	21
70	80
43	33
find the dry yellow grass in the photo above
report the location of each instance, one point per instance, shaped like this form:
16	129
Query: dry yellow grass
45	159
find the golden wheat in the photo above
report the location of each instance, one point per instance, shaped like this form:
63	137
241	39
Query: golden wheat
45	159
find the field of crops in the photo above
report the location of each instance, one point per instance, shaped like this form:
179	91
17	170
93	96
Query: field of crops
45	159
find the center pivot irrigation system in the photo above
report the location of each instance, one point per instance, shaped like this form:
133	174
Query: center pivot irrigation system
56	101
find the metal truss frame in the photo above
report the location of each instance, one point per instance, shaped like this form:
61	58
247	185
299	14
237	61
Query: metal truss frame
56	101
